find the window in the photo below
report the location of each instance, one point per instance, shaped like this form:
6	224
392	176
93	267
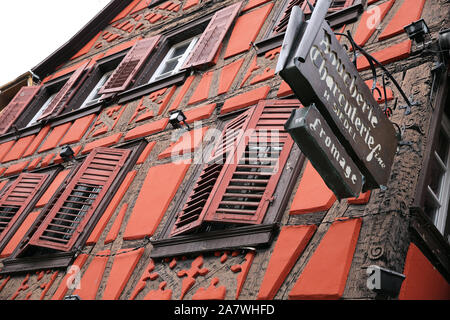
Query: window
65	222
174	59
437	196
41	110
94	96
239	194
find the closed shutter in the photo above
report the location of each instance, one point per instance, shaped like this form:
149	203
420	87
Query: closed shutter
206	48
61	99
15	108
240	190
130	65
67	219
17	197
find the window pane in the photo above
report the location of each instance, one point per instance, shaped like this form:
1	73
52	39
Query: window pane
179	51
442	146
41	110
169	66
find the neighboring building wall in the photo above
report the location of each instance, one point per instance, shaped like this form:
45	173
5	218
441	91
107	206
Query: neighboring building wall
323	247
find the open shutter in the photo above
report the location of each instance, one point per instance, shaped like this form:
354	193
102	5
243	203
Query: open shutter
211	39
61	99
246	189
130	65
16	199
239	190
193	212
67	219
15	108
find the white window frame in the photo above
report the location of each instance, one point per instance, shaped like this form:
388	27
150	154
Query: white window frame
443	200
100	83
157	75
41	110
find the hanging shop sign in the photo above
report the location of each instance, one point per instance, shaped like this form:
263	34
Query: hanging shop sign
318	70
317	141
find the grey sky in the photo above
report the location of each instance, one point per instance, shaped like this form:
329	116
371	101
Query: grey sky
31	30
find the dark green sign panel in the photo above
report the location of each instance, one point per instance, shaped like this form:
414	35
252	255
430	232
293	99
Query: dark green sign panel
312	134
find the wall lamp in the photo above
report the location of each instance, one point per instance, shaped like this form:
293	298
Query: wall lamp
177	117
66	153
384	281
417	31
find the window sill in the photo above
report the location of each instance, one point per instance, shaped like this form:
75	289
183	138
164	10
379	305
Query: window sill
21	265
234	238
135	93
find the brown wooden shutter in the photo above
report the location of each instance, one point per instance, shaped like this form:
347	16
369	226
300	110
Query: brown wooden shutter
130	65
67	219
15	200
61	99
206	48
15	108
240	190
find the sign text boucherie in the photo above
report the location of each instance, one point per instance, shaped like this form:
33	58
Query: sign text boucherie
318	70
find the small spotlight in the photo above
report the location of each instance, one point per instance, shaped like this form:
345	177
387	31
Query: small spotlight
384	281
176	117
66	153
417	31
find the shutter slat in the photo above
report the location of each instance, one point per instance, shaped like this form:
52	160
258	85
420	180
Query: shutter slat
16	106
206	47
130	66
85	195
61	99
14	206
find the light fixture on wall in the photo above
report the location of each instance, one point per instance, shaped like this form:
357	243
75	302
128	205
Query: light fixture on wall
417	31
177	117
66	153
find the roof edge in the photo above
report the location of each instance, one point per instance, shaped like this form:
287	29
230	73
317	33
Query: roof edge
71	47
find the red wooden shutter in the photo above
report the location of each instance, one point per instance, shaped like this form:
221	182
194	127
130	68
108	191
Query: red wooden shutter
240	190
246	189
57	105
208	44
67	219
193	212
130	65
14	109
17	197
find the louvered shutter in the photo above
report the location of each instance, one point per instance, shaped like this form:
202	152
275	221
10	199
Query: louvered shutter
15	200
246	189
129	66
240	190
195	208
206	48
61	99
15	108
67	219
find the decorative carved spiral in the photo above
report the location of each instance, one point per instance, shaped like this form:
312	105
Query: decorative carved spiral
375	252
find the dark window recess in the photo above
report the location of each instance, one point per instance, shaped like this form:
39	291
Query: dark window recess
16	107
243	186
16	202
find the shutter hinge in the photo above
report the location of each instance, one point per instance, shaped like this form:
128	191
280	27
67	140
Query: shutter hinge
270	199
